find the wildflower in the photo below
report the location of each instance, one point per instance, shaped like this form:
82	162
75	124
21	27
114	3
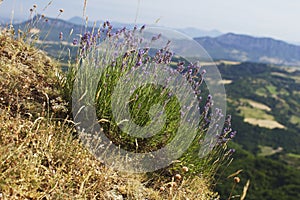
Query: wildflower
236	179
185	169
180	63
141	53
178	177
86	41
228	120
142	28
232	134
209	97
231	151
154	38
61	35
34	6
125	55
139	63
173	184
75	41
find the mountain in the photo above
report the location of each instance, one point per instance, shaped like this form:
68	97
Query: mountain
190	31
4	21
79	21
49	29
237	47
195	32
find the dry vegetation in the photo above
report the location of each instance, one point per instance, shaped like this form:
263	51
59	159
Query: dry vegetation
39	156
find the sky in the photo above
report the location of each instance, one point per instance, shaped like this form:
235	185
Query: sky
264	18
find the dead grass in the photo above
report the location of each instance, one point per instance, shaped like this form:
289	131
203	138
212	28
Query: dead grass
27	77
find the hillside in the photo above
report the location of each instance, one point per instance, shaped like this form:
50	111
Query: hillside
41	156
261	93
190	31
247	48
264	102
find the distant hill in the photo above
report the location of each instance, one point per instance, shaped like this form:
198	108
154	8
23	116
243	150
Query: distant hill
49	29
195	32
190	31
247	48
3	20
80	21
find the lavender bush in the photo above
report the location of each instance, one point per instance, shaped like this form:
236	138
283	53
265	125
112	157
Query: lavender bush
105	58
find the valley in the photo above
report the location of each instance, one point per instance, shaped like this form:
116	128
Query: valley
264	101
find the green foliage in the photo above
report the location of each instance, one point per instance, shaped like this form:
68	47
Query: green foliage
275	176
248	78
269	179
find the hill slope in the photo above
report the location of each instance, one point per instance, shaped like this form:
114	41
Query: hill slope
268	144
40	158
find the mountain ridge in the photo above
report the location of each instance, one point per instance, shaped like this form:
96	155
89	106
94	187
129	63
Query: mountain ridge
247	48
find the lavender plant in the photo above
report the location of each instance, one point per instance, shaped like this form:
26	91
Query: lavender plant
106	57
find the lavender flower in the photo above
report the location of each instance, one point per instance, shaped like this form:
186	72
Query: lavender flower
232	134
75	41
61	35
231	151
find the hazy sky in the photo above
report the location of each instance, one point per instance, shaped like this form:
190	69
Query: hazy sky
271	18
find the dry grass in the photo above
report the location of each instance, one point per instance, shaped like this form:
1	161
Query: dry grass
39	156
27	77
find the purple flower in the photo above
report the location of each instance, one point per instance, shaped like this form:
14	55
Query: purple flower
154	38
142	28
231	151
61	35
141	53
139	63
232	134
75	41
87	40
